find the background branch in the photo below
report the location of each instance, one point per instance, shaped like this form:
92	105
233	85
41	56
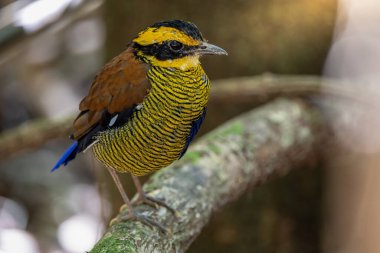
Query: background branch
32	134
268	86
244	152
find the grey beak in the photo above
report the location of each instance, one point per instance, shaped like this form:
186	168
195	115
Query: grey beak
209	49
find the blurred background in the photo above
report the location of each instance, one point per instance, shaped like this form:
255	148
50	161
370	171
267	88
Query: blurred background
51	49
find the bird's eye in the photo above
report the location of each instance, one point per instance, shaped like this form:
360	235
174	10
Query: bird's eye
175	45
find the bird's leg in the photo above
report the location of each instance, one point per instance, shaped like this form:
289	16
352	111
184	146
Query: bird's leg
143	198
116	179
132	215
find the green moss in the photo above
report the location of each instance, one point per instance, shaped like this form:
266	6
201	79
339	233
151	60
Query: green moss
214	148
192	156
234	129
113	244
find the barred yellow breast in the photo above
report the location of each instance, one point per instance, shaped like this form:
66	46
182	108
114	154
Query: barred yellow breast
157	133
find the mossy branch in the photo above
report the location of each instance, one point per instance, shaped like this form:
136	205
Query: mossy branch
243	152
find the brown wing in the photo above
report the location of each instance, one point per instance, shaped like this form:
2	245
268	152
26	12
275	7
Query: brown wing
121	84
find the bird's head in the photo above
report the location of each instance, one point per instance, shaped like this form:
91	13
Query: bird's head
173	44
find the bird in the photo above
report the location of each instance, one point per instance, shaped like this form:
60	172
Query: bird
145	106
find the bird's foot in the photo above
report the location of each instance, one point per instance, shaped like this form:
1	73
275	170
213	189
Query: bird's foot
153	202
141	218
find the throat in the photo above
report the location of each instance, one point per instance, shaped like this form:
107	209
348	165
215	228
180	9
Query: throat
184	63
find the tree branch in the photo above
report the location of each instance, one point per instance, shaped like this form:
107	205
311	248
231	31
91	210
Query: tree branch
268	86
32	134
217	169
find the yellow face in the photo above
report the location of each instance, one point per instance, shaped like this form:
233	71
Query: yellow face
161	35
173	44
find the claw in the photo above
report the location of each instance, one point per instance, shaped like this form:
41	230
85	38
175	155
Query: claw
153	202
145	220
145	199
123	208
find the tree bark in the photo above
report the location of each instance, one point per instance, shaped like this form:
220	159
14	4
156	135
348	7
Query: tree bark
243	152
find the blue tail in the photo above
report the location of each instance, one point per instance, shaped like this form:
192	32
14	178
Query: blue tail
69	155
